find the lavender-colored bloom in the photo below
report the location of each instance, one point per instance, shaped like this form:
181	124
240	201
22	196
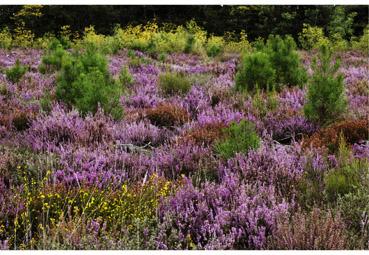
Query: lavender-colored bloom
220	216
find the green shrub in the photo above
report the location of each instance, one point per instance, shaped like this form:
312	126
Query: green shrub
312	37
363	43
162	57
5	39
84	81
240	138
256	71
350	175
4	89
285	60
125	78
190	42
214	46
174	83
310	188
16	72
355	208
52	61
326	100
340	24
46	102
265	102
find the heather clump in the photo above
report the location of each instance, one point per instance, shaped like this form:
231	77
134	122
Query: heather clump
233	215
315	230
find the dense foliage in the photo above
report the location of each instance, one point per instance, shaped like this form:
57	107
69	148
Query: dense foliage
326	99
222	144
84	81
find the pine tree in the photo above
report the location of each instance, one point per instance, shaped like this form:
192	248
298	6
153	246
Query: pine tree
326	98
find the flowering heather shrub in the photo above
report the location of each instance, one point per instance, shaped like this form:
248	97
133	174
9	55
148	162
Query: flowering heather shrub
219	216
277	165
361	151
167	115
141	134
182	159
353	131
60	127
196	101
172	84
220	113
280	115
100	166
317	230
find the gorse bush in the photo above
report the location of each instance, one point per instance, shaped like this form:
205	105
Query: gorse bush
256	71
174	83
285	60
119	209
326	99
5	39
84	81
239	138
190	38
312	37
15	73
